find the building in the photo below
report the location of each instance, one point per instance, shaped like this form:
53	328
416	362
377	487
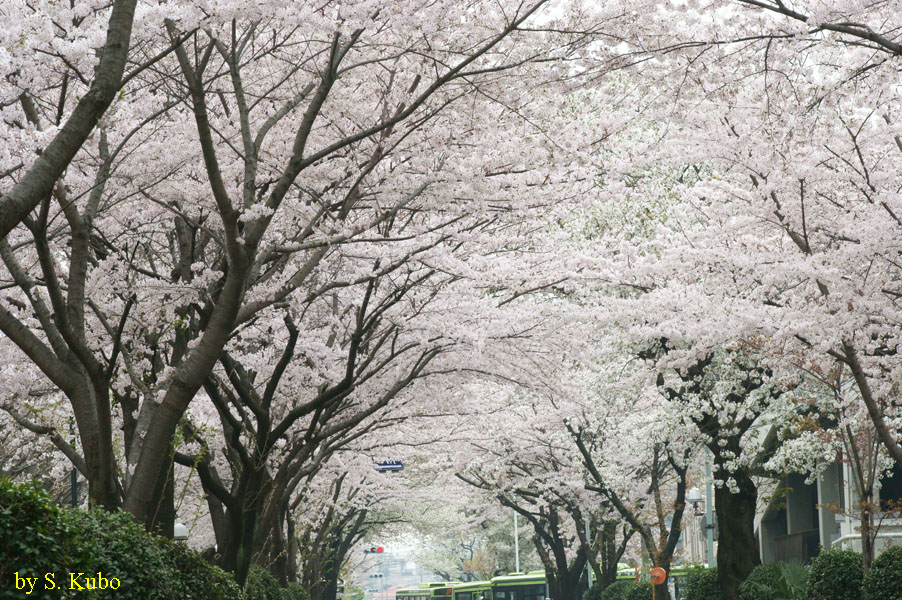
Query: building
802	517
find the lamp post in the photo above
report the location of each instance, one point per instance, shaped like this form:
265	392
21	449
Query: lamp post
588	563
516	546
709	518
73	476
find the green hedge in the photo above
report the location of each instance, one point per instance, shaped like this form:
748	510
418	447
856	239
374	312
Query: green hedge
777	581
883	581
702	584
60	547
618	590
33	539
198	574
766	576
835	573
594	592
295	591
639	591
261	585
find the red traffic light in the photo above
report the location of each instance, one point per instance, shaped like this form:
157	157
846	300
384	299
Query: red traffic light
379	549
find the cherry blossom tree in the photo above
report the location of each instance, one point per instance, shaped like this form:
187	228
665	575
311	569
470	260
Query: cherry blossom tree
132	280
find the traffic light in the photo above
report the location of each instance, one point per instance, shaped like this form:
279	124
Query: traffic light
374	550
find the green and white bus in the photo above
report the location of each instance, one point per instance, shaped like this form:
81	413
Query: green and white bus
435	590
520	586
472	590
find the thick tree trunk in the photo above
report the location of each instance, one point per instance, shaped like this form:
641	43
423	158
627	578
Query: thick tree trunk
92	415
188	379
662	591
610	554
161	520
566	586
736	550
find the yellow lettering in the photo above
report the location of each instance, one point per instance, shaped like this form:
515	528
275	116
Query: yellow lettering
22	581
73	581
118	583
48	579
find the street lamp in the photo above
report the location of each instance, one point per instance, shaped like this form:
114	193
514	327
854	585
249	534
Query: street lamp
694	497
180	532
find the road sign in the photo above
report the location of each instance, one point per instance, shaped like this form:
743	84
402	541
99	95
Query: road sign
390	465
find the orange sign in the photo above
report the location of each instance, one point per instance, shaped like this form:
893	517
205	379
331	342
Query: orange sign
658	576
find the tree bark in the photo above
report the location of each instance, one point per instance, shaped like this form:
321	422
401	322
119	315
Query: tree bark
38	182
736	555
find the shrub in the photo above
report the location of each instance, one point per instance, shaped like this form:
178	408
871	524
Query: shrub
763	575
115	545
32	537
835	573
295	591
618	590
198	578
594	592
702	584
779	581
882	581
639	591
261	585
38	538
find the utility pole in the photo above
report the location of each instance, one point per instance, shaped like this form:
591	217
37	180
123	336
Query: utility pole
73	476
709	503
516	546
588	562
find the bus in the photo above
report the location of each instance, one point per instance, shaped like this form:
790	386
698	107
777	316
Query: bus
472	590
520	586
525	586
435	590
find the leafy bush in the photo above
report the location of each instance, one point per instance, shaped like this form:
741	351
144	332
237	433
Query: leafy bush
594	592
780	581
195	573
882	581
835	573
116	546
702	584
32	538
261	585
37	538
763	575
618	590
639	591
295	591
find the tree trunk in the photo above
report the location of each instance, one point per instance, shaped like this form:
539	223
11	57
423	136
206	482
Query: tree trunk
736	550
568	580
566	586
161	520
610	554
867	546
91	408
662	591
